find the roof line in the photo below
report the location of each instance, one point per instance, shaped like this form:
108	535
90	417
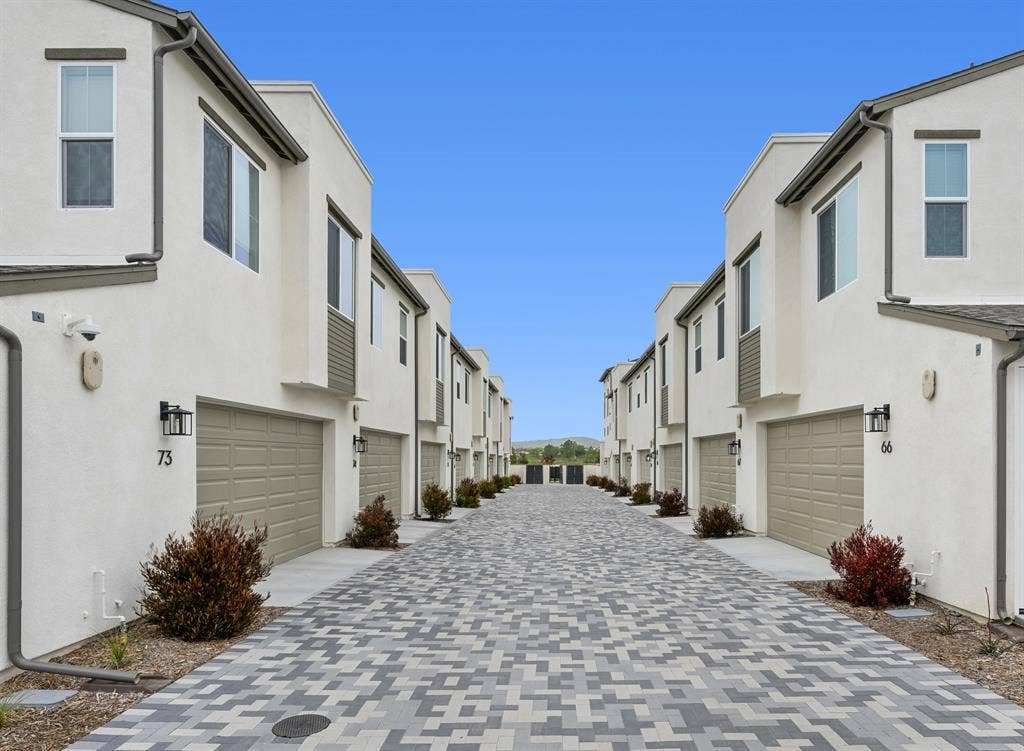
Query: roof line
716	278
457	346
381	256
644	357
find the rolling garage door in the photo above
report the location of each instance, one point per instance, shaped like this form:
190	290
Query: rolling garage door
380	470
717	471
672	459
816	479
462	466
265	468
430	464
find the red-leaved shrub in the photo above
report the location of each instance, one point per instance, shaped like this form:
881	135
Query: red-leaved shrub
375	527
671	503
872	570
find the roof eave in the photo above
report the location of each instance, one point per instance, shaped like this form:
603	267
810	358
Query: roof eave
647	355
381	256
702	294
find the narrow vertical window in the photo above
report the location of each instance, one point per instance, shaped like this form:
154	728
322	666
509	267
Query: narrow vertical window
465	389
697	347
403	335
457	379
376	314
341	253
750	293
439	357
662	350
231	199
945	200
629	396
837	242
87	136
647	377
720	315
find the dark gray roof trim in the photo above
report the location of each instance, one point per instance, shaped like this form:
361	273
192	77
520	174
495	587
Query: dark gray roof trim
461	351
648	354
850	130
1003	322
22	280
384	258
218	67
703	292
605	374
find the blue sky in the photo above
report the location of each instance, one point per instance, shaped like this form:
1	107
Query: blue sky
559	164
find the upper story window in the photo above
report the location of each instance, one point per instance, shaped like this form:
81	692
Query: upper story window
629	396
465	387
637	382
489	401
945	200
697	346
231	199
341	268
87	136
663	356
458	379
376	313
720	316
837	241
403	334
647	377
750	292
483	401
439	348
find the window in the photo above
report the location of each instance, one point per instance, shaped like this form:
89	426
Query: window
87	136
664	361
837	241
637	382
720	314
458	379
750	293
403	335
489	400
647	377
439	356
341	262
629	396
376	313
465	388
231	199
945	200
696	347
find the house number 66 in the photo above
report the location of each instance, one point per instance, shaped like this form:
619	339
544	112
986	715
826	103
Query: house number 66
165	459
886	447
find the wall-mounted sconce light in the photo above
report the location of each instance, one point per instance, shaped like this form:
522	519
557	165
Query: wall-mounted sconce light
629	458
734	447
877	420
359	444
652	456
454	456
176	421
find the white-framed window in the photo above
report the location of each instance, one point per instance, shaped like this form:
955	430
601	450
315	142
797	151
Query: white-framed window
697	346
439	340
403	334
231	198
946	200
458	379
376	314
720	316
637	382
750	292
663	356
838	240
341	269
647	378
629	396
87	116
465	388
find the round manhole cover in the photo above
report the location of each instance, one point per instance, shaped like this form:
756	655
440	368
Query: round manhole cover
300	725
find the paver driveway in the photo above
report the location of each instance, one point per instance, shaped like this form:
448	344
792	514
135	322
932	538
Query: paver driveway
558	618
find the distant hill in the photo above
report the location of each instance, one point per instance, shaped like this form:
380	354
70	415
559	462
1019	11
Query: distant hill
542	442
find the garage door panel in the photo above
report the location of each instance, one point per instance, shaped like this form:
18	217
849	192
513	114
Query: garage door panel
672	460
717	471
380	470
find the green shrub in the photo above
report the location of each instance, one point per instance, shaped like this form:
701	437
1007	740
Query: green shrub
641	494
375	527
672	503
436	502
499	483
487	489
467	494
718	521
201	586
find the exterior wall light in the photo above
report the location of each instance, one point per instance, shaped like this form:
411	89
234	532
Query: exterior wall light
359	444
176	421
454	456
734	447
629	458
877	420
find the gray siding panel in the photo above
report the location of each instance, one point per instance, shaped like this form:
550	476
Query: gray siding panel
664	405
749	374
341	352
439	402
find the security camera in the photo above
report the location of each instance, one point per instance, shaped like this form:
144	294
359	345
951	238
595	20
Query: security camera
84	325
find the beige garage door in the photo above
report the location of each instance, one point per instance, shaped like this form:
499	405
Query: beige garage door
816	479
462	466
430	464
717	471
671	457
265	468
380	470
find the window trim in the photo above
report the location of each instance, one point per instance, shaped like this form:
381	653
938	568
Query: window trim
439	347
331	219
231	192
698	345
720	328
62	137
629	396
465	385
925	200
403	356
851	182
739	283
375	284
663	352
457	380
647	378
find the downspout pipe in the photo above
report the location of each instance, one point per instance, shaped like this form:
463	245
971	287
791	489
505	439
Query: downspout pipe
14	524
654	424
1001	451
451	420
887	136
158	147
416	416
686	415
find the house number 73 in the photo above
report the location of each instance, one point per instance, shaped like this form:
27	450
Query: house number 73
164	458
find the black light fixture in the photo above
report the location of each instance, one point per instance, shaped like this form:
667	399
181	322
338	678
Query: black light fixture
877	420
629	458
734	447
359	443
454	456
176	421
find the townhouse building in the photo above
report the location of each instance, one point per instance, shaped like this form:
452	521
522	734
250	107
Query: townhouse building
461	395
197	317
615	439
638	385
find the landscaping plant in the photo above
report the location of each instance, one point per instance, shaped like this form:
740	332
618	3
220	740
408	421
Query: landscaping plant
716	520
593	481
672	503
498	482
487	489
641	494
949	622
622	489
467	494
375	527
201	586
516	479
436	502
871	569
118	652
992	644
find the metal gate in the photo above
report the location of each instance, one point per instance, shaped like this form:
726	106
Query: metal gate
574	474
555	474
534	474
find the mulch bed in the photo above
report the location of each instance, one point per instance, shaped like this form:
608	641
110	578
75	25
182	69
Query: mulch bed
1004	674
152	653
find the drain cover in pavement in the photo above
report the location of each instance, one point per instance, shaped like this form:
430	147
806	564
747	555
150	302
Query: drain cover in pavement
300	725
